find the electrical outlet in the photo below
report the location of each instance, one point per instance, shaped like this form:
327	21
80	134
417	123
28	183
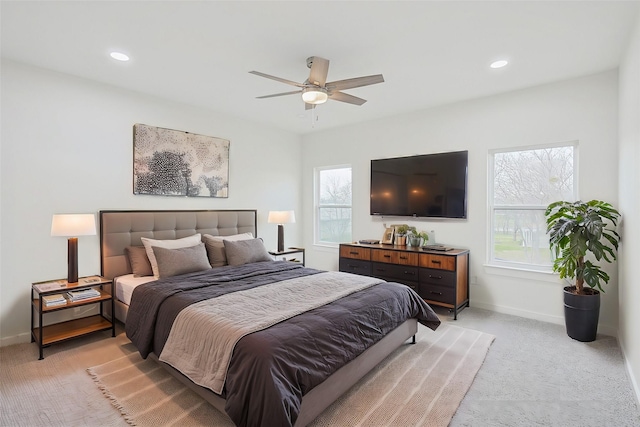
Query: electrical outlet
474	280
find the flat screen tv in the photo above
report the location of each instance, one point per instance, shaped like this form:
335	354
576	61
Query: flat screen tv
429	185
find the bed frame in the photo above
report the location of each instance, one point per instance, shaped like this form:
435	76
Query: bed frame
119	229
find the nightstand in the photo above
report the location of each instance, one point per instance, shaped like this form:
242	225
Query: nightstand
44	336
290	251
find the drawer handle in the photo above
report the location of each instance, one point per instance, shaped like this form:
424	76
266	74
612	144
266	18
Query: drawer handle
352	266
403	257
387	256
435	277
380	269
435	293
410	273
433	261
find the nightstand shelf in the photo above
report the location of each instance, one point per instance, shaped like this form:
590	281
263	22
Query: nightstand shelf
289	251
62	331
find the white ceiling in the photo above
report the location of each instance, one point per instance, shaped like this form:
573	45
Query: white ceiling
430	53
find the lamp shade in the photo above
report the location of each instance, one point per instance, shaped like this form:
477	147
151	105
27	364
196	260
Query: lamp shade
281	217
68	225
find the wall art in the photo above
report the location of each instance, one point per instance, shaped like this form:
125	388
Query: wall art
176	163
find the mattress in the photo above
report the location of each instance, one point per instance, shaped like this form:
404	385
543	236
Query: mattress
126	284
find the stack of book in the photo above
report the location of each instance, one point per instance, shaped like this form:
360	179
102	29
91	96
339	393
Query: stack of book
53	300
84	294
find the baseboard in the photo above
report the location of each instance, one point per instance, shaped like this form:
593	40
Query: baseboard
16	339
632	377
558	320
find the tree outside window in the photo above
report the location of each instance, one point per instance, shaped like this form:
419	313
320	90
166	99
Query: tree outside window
333	205
523	183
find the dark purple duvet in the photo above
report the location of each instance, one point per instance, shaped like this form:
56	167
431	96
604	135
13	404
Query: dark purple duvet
272	369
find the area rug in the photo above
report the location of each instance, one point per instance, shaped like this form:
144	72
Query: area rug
417	385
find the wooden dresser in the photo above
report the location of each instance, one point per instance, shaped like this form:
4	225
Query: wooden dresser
440	278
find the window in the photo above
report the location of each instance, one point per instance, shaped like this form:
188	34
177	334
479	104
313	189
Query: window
521	184
333	205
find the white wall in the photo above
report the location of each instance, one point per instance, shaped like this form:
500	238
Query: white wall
67	148
629	178
583	109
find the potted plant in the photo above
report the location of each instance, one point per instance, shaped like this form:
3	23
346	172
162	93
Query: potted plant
575	230
401	234
417	238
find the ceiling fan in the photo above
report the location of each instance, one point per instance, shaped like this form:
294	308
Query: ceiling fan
315	90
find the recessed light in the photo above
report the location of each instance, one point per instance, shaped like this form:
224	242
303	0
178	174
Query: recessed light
499	64
119	56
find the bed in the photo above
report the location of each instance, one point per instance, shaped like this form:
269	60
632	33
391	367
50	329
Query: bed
331	337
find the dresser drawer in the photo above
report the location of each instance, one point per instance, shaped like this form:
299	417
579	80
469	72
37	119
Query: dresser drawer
443	294
394	257
356	266
440	262
355	252
438	277
394	272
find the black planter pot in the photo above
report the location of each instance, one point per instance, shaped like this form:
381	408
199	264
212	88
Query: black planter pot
581	313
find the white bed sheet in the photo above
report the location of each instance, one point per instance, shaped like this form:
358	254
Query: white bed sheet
126	284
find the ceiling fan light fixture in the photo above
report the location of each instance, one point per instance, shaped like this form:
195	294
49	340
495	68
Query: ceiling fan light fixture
314	95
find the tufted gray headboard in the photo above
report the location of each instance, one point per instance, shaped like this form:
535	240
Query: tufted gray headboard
119	229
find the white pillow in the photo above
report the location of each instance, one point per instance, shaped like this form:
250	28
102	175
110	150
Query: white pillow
215	247
185	242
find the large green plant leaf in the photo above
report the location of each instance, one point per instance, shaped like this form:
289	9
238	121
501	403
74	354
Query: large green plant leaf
577	229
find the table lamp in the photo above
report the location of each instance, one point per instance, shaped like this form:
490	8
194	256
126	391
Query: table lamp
280	218
71	226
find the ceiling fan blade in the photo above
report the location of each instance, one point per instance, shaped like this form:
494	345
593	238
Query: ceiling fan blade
319	70
278	94
343	97
309	106
355	82
278	79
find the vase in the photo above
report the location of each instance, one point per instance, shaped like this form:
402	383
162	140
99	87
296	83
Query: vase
415	241
401	240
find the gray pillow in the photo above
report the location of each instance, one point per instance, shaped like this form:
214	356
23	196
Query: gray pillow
215	247
172	262
245	251
139	261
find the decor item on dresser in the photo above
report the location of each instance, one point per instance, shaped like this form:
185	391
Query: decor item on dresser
575	230
281	218
417	238
387	237
176	163
440	278
73	225
254	312
401	234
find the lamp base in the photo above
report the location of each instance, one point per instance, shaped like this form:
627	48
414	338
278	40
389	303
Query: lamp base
72	260
280	237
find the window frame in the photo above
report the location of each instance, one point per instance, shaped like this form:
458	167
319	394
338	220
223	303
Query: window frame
492	207
317	206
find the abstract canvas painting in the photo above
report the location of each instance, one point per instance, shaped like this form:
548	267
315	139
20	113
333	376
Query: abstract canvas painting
176	163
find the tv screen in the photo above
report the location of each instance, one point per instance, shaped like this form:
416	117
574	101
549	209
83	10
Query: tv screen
430	185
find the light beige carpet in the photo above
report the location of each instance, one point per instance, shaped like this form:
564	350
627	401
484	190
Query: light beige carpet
417	385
